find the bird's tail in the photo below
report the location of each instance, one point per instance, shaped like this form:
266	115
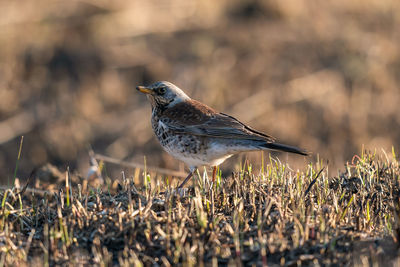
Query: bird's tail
285	148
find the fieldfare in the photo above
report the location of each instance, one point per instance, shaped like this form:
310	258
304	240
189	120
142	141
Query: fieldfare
197	134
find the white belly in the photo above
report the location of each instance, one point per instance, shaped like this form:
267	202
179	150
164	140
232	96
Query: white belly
211	156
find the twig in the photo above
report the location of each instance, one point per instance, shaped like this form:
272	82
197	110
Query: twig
27	189
141	166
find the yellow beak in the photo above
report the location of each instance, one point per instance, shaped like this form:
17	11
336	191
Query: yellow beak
144	89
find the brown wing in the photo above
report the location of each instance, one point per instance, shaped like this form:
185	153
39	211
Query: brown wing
195	118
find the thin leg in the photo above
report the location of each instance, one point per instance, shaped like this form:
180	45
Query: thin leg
214	173
187	178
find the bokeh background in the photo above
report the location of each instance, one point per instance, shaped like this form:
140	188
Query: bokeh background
323	75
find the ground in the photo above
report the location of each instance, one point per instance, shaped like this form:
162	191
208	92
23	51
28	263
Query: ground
274	216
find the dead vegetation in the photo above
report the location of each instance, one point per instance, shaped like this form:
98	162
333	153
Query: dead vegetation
273	216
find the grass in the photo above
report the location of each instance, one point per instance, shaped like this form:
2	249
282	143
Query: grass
273	216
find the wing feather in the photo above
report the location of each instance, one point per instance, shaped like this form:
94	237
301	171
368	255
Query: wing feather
193	120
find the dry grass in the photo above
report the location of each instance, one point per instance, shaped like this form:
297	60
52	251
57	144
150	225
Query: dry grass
273	216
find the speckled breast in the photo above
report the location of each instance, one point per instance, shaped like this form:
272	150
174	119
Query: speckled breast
178	144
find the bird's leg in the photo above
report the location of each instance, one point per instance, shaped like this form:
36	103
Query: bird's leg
192	170
214	174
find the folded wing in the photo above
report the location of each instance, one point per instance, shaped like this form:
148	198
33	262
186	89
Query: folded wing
200	120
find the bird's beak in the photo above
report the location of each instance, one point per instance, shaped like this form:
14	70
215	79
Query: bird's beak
144	89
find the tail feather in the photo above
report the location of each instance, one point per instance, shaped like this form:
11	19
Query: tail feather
286	148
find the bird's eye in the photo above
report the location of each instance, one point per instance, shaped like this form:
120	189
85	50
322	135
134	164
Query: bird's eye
162	90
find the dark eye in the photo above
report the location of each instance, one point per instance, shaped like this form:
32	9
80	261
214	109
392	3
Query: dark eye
162	90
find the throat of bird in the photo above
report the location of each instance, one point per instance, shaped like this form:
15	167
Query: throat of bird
162	104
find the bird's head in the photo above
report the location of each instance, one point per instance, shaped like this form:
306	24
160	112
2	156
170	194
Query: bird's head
163	94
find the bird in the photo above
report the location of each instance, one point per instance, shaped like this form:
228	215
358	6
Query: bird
197	134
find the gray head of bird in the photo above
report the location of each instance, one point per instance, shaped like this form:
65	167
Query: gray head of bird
163	94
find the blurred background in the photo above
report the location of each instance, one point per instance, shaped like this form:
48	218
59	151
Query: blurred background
322	75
